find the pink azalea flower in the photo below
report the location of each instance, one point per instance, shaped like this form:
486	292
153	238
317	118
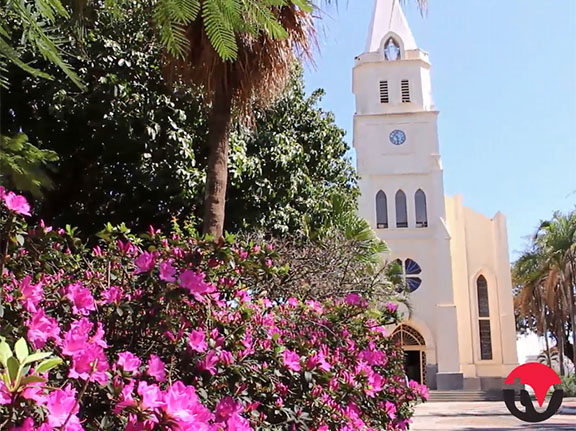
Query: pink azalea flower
182	405
90	364
209	362
81	298
126	398
156	368
195	284
27	425
390	410
129	362
60	404
145	262
112	295
238	423
227	407
32	294
5	397
291	360
2	193
293	302
41	328
151	395
315	306
167	271
16	203
197	341
355	300
375	384
391	307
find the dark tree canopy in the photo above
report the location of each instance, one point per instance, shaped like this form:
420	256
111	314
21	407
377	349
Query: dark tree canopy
133	149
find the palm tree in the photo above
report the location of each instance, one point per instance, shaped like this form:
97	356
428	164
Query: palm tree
546	278
239	53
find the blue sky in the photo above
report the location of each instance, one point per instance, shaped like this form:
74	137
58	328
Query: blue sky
504	81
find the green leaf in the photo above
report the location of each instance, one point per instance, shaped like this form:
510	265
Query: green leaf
21	349
32	379
38	356
5	353
13	366
48	364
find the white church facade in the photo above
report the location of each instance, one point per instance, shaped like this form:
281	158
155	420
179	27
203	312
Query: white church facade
461	333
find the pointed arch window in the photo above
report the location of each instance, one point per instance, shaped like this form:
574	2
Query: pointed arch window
401	211
484	318
381	210
421	212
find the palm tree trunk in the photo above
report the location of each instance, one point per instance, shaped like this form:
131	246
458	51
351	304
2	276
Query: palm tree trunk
217	170
548	358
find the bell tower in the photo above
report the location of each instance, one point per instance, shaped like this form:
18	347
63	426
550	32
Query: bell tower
401	183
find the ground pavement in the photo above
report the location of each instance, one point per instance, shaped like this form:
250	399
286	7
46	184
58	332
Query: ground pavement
487	416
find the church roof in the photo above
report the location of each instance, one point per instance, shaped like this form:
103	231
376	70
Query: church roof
389	17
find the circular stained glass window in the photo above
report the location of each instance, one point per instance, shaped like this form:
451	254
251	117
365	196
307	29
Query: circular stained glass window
410	272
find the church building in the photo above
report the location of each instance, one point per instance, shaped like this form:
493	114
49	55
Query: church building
461	333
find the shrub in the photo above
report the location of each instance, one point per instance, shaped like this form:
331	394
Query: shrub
163	332
569	385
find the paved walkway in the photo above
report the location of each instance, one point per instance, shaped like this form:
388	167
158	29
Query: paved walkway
487	416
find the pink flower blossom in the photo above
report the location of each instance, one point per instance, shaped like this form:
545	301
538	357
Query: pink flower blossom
183	406
391	307
355	300
5	397
315	306
81	298
156	368
195	284
238	423
291	360
128	362
16	203
112	295
227	407
27	425
145	262
41	328
60	404
32	294
209	362
390	410
151	395
167	271
197	341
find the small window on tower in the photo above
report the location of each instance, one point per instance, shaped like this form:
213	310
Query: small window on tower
384	92
405	87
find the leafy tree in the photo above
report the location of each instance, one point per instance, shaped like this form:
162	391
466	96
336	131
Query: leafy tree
545	276
23	166
132	149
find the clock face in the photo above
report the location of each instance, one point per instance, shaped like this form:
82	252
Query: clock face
397	137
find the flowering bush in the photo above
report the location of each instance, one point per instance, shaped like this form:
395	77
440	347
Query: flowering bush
162	332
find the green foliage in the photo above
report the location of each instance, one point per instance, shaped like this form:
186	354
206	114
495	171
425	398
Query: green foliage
23	166
15	365
132	149
30	26
569	385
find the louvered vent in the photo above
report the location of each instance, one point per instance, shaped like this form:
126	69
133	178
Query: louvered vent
384	92
405	87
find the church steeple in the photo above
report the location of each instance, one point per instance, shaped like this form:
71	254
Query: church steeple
388	19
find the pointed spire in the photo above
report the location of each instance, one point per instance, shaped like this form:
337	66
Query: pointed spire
389	17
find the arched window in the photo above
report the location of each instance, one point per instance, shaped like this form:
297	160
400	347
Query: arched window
381	210
484	318
401	212
421	213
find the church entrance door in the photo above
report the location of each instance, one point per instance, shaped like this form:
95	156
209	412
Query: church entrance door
414	352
